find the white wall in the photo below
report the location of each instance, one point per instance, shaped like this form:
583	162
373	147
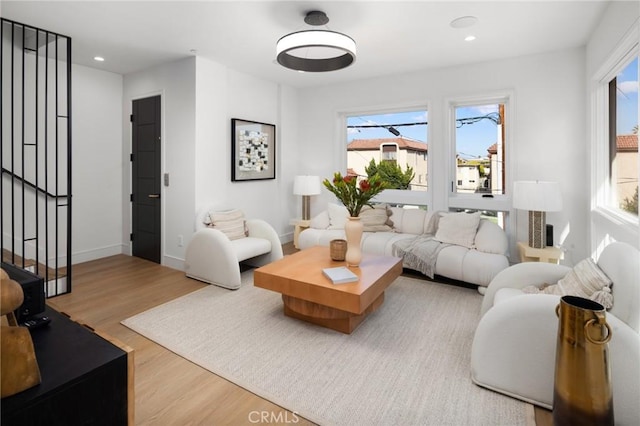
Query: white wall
223	94
618	21
213	146
175	82
290	135
200	97
548	127
259	100
97	163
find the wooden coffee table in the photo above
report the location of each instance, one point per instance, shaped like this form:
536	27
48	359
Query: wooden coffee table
310	296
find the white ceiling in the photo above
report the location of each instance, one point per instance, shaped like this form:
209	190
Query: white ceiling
392	36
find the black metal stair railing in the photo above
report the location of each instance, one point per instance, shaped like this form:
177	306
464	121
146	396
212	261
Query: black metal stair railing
31	185
35	127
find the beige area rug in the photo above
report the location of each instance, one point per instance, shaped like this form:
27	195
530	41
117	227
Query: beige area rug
407	364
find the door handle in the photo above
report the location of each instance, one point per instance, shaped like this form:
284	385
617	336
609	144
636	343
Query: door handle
154	195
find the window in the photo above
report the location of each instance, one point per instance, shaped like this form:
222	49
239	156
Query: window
614	120
388	152
480	146
479	154
623	139
393	144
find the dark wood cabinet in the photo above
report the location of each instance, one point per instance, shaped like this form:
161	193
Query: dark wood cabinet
86	379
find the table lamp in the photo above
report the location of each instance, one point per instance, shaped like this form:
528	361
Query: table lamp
306	186
538	197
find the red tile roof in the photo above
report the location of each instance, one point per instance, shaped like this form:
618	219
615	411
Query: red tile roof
374	144
627	143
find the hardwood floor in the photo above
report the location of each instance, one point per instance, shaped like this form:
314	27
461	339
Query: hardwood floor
169	390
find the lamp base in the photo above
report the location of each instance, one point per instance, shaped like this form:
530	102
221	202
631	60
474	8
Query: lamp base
537	229
306	207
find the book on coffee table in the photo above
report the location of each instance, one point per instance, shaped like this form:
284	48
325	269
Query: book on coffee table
340	275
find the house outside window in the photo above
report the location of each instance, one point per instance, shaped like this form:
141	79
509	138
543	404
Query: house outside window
390	137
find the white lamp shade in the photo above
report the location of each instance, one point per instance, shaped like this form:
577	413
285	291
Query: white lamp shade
537	196
306	185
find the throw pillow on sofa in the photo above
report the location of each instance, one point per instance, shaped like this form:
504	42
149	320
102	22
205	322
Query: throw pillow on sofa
458	228
585	280
230	222
338	216
376	219
320	221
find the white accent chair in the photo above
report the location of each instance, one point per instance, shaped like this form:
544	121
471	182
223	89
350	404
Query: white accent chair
215	259
514	347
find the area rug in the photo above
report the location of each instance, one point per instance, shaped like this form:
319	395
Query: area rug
407	364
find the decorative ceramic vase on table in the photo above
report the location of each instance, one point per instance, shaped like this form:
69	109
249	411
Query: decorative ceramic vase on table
582	390
353	230
354	195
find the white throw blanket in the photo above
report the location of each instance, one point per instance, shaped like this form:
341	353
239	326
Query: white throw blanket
421	253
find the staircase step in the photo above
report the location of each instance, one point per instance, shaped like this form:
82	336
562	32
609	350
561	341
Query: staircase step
30	265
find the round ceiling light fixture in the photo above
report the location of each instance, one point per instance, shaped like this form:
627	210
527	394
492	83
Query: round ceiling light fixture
316	50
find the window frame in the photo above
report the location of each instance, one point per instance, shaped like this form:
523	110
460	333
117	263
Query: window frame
602	194
499	202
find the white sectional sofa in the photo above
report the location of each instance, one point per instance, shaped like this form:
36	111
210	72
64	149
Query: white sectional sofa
476	265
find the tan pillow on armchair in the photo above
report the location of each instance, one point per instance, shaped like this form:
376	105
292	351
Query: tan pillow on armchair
230	222
585	280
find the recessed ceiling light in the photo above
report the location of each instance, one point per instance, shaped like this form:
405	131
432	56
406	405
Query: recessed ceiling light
463	22
98	58
470	38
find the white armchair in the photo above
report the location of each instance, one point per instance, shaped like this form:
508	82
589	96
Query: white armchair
514	346
213	258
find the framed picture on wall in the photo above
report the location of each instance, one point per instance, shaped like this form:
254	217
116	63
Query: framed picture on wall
253	150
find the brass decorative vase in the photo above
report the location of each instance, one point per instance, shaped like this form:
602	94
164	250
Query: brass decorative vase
582	392
353	231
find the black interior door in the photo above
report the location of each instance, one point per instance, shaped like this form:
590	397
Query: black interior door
146	179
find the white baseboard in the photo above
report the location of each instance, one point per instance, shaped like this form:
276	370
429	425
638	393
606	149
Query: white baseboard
173	262
96	253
